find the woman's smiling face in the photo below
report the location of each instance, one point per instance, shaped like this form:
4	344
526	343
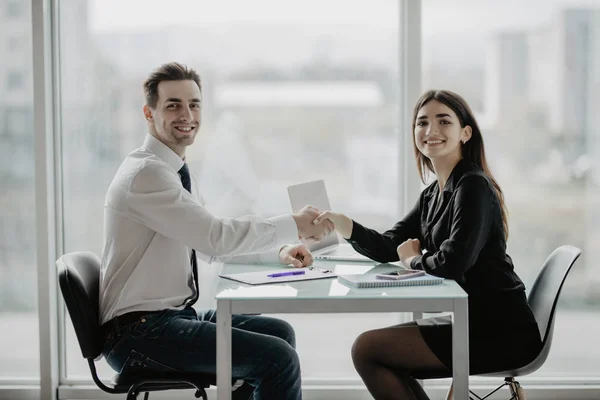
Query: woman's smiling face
438	133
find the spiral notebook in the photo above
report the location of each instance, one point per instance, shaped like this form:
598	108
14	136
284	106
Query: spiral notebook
370	281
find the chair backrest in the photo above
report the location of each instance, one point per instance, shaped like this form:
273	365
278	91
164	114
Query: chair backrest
543	297
79	279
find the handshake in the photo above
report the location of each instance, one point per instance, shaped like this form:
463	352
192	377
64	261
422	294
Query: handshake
314	226
309	228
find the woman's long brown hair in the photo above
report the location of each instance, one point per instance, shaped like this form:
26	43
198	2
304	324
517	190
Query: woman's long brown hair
472	151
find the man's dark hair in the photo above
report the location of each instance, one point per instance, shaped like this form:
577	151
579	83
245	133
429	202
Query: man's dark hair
172	71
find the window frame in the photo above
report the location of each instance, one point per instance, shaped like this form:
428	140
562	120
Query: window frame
45	58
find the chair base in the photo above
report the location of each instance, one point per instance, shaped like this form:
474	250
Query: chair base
154	386
134	385
516	391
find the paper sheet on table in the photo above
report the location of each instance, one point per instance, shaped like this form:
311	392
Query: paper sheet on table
262	278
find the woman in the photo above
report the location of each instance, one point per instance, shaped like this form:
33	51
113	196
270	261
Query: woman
460	221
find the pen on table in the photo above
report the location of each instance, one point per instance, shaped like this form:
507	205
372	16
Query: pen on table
290	273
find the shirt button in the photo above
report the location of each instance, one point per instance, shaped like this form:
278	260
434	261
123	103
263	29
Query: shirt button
143	320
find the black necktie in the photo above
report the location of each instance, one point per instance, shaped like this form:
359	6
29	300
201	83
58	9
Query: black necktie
186	181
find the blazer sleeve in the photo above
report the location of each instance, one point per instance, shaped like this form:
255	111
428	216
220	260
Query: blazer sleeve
381	247
472	219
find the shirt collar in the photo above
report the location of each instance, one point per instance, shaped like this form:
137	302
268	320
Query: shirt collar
461	167
163	151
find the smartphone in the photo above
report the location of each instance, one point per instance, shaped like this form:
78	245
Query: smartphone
401	274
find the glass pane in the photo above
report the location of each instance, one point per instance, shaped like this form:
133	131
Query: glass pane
305	91
531	72
19	347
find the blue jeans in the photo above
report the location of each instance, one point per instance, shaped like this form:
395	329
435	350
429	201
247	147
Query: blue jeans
263	349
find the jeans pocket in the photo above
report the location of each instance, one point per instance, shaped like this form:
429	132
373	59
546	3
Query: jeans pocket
147	323
139	364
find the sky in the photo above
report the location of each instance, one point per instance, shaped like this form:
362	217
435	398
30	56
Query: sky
451	28
452	15
135	14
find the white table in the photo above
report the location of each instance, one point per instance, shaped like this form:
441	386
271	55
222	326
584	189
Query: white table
331	296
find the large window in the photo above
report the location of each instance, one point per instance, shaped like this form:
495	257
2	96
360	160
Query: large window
531	72
292	92
296	91
19	343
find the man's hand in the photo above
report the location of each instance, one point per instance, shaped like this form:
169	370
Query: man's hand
409	250
298	255
307	229
341	223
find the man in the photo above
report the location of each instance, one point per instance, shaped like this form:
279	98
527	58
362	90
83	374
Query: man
155	226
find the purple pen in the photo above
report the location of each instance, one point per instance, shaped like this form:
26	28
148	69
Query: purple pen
290	273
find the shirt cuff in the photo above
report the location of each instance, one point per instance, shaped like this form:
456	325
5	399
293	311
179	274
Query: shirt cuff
271	257
415	263
286	230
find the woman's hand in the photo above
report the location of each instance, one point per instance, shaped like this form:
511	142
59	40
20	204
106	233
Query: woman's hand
298	255
341	223
409	250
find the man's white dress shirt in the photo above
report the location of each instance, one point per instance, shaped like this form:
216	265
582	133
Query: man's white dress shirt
151	223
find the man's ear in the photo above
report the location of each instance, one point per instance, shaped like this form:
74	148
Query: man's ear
148	113
467	133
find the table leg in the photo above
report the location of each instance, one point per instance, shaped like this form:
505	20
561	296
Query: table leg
223	350
460	349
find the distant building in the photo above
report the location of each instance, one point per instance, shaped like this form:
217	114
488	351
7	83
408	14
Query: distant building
543	83
507	75
564	69
311	94
78	86
297	110
16	86
593	104
332	126
565	79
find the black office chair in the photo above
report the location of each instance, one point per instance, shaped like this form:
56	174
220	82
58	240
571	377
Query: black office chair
543	299
79	278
